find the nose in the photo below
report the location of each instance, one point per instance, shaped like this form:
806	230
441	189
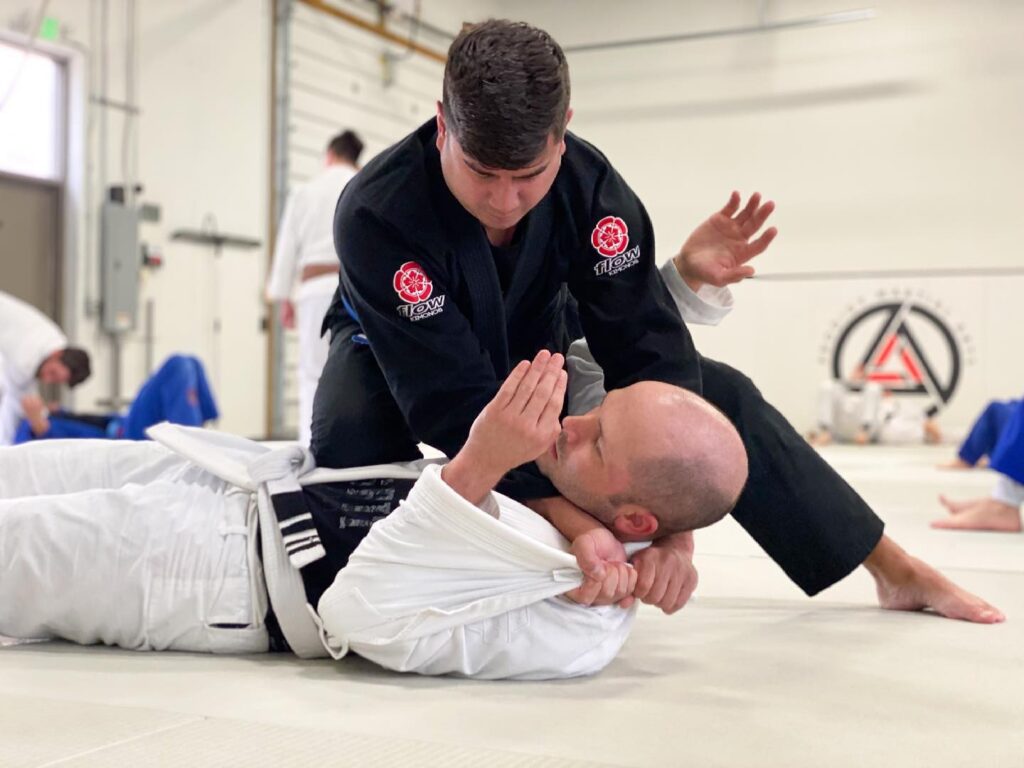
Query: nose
505	198
578	428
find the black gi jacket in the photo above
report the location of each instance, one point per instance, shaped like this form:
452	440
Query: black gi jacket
419	280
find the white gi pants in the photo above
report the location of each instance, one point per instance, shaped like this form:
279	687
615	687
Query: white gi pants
127	544
313	300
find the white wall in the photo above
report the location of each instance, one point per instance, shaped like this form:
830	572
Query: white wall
887	144
202	140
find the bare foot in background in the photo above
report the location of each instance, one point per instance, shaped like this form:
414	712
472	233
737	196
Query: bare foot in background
980	515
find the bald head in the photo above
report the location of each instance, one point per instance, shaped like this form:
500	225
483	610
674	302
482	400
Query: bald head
695	469
650	451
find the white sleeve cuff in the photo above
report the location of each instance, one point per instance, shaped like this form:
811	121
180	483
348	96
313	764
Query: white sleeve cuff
705	307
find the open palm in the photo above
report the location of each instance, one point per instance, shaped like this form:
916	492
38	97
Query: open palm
718	250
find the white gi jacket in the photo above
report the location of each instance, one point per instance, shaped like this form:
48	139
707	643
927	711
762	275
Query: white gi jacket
306	232
27	338
437	587
443	587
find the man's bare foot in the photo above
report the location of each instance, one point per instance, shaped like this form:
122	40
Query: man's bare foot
984	515
956	507
932	432
956	463
821	438
905	583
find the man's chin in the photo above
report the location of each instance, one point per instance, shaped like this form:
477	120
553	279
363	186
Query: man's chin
501	222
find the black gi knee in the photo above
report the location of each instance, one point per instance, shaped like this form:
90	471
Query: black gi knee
797	508
356	421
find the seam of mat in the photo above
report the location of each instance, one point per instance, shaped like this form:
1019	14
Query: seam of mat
119	742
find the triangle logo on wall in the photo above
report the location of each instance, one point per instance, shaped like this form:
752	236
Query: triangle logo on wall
897	345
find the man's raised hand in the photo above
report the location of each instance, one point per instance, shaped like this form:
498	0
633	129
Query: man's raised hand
718	250
516	427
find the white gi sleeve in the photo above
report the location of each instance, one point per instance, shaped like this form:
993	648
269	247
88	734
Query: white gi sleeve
708	306
442	587
27	338
286	252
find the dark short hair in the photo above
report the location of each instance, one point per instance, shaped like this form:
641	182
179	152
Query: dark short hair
76	360
506	89
347	146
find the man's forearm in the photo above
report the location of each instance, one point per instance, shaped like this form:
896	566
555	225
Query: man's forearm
468	479
570	520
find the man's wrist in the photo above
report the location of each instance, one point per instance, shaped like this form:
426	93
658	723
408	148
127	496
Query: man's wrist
469	478
679	260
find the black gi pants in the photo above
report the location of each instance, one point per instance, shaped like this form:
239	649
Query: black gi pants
797	508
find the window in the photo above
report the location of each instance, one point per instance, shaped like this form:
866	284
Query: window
31	114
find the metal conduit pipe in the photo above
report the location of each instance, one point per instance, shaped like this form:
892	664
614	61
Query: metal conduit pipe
378	29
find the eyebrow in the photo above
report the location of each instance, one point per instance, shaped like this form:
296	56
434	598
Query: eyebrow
484	172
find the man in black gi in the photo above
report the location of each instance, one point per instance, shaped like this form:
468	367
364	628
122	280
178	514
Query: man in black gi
469	246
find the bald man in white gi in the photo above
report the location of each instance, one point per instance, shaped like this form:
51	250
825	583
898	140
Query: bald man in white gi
32	350
456	580
304	254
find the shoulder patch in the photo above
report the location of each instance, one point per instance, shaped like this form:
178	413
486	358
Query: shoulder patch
610	237
412	284
416	289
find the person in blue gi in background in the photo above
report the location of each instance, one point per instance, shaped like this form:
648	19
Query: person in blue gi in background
485	236
976	449
999	434
178	392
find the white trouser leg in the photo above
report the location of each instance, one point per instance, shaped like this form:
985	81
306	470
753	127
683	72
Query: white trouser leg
872	414
827	394
68	466
313	301
159	566
1009	492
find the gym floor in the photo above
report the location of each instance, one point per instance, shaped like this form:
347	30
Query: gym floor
751	673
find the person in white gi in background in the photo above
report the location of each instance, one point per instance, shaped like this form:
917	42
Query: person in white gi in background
32	350
456	580
305	253
871	415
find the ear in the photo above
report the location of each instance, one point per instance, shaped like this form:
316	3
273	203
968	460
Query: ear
634	523
442	129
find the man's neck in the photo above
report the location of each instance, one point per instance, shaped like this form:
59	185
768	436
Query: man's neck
500	237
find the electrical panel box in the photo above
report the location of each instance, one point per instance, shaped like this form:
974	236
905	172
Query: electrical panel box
119	265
